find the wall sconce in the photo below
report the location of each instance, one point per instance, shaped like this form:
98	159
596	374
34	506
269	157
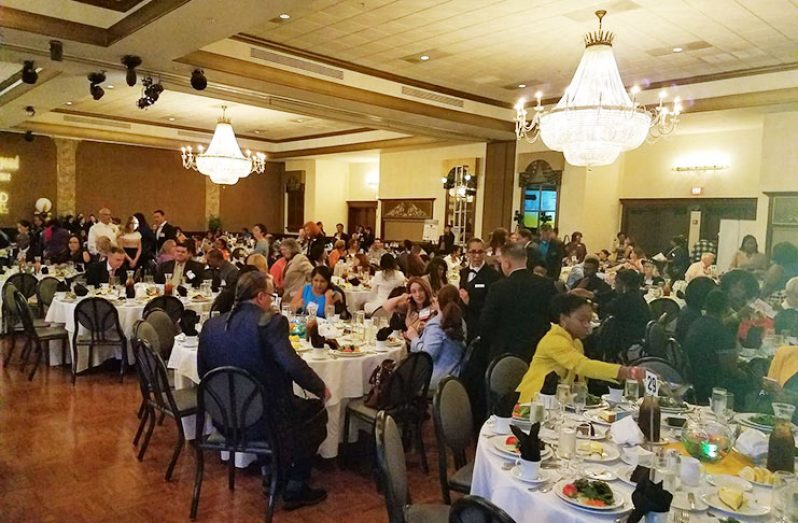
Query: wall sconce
701	163
373	179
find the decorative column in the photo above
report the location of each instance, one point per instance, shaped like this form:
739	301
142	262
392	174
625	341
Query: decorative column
499	176
212	199
65	175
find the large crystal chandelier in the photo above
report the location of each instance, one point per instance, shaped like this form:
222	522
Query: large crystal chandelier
596	119
223	162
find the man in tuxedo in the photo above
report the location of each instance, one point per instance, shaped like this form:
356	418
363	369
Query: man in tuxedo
182	267
551	250
474	283
516	312
163	230
100	272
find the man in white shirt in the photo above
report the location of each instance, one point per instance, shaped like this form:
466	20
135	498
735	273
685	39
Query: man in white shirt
163	231
104	227
702	267
376	251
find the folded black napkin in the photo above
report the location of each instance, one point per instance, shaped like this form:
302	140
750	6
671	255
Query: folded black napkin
45	270
649	497
182	291
80	290
640	473
62	286
550	384
397	323
529	444
188	322
383	333
355	281
505	405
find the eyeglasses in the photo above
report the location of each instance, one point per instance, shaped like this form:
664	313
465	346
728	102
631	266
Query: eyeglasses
476	252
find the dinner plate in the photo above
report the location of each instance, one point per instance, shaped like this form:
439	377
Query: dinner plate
600	434
543	476
599	472
600	405
498	443
342	354
745	419
625	475
727	480
610	454
592	415
749	509
620	501
681	501
395	343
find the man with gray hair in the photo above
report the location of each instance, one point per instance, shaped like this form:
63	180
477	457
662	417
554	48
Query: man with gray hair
516	312
104	227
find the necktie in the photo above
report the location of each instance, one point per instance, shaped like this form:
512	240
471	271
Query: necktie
472	273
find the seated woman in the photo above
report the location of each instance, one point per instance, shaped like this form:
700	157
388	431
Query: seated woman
694	295
783	373
443	337
785	267
561	351
77	254
337	254
258	261
387	279
651	277
167	252
417	301
319	291
711	349
317	255
436	274
749	258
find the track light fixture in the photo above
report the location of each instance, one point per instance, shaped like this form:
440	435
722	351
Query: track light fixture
30	110
131	62
150	93
29	136
29	74
56	50
198	80
95	79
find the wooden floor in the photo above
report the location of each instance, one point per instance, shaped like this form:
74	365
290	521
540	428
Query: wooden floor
66	455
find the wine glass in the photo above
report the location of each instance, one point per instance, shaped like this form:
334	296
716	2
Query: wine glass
563	398
631	393
579	391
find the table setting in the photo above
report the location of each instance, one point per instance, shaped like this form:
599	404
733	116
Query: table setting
357	291
586	468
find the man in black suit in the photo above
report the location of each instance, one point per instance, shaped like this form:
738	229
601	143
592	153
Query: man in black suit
163	230
182	267
100	272
474	283
551	250
445	241
526	238
261	346
516	312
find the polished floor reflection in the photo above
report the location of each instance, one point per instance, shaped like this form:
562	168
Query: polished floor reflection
66	455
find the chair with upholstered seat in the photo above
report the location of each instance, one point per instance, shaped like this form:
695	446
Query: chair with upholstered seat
662	368
405	399
100	319
159	397
474	509
165	328
504	374
38	338
45	293
171	305
237	405
12	324
664	310
393	477
451	412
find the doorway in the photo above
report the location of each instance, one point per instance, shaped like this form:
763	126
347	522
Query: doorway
361	213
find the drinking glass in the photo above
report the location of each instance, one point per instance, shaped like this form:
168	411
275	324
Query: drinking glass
631	392
729	414
329	311
566	447
579	391
783	481
791	502
718	402
563	398
285	308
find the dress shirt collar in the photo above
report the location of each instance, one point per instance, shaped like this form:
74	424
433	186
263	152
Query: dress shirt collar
476	269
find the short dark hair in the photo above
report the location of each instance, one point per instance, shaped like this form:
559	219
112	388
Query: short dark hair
24	223
546	227
387	262
324	272
341	224
214	254
717	302
261	227
592	260
696	292
188	245
630	278
159	211
115	250
566	303
474	240
525	233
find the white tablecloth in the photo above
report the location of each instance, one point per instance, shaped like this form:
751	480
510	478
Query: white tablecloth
61	311
356	298
347	378
492	482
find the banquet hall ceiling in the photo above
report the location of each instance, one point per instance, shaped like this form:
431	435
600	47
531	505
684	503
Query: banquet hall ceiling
344	71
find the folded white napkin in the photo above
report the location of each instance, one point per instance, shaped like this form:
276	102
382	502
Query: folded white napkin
639	456
752	443
626	432
329	331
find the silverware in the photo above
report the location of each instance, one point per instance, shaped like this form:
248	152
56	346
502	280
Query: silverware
691	500
507	466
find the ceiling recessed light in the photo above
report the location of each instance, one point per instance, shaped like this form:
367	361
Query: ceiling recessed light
285	16
521	86
171	118
256	131
109	86
69	103
677	49
423	58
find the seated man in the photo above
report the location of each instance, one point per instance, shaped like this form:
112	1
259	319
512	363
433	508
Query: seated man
251	337
100	272
182	267
219	270
591	286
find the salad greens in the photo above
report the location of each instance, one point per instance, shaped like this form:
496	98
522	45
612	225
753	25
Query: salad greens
767	420
595	490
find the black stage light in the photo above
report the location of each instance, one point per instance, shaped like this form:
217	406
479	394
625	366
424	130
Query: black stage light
29	74
95	80
131	62
198	80
56	50
30	110
29	136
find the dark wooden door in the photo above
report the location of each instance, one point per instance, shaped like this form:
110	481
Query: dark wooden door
295	208
361	213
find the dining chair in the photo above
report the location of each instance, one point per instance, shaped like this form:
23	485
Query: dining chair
25	283
475	509
393	477
451	413
504	374
662	368
238	406
166	330
45	293
158	396
38	338
664	310
100	319
405	399
169	304
144	331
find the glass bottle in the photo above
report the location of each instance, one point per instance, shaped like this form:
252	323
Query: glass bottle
649	419
130	286
781	445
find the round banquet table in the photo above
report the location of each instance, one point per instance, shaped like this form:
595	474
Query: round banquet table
346	377
63	311
494	483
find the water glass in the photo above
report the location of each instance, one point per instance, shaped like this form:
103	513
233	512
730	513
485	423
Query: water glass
783	483
631	392
329	311
566	447
579	391
718	402
791	502
563	398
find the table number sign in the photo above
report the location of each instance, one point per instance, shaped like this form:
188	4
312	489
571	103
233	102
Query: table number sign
650	384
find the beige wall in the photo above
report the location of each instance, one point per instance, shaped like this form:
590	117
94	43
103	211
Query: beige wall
35	178
332	188
362	176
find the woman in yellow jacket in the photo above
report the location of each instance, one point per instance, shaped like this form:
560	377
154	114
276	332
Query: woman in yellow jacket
561	351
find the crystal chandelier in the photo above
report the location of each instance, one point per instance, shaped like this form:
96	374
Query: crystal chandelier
223	162
596	119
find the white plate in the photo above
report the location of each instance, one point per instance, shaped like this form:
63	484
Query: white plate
620	501
592	415
610	454
600	434
759	484
342	354
681	502
745	419
727	480
750	507
625	475
543	475
498	444
599	472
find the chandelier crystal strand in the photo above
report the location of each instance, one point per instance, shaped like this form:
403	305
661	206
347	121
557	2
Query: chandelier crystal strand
595	120
223	162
